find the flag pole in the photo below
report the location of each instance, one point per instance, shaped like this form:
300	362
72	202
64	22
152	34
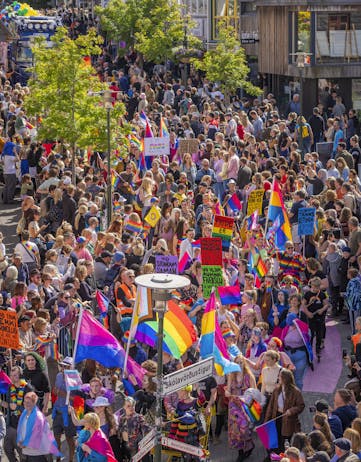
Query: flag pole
267	219
271	420
75	347
130	332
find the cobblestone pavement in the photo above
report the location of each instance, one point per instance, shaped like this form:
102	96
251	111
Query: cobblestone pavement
9	216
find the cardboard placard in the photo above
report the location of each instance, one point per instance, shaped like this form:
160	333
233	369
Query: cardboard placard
190	146
255	200
211	251
306	221
9	332
166	264
212	277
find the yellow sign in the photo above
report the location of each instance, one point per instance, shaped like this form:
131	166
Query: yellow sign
153	216
255	201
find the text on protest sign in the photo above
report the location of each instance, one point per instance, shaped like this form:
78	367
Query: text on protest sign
156	146
212	277
9	332
183	447
187	376
255	200
223	228
306	221
211	251
166	264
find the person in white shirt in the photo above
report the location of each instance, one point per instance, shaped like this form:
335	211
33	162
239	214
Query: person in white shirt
186	244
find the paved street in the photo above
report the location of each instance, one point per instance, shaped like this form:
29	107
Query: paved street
8	219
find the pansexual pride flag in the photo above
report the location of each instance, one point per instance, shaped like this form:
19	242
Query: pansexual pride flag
212	343
277	209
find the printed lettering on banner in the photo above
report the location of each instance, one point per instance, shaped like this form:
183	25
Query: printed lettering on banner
306	221
211	251
255	200
212	277
166	264
9	331
156	146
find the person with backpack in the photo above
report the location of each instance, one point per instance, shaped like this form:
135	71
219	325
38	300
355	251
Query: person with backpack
303	135
353	296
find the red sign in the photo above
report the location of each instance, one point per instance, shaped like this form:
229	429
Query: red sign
211	251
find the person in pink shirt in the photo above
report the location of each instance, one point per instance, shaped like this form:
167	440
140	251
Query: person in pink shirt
80	251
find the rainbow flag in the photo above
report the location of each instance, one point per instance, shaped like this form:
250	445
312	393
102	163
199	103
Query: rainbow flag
117	206
103	302
212	343
234	203
115	179
79	406
267	433
179	332
184	263
261	268
230	295
163	130
277	209
5	382
135	141
134	227
95	342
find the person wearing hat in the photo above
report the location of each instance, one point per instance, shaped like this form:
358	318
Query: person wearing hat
230	338
343	451
230	192
61	420
101	266
112	273
333	420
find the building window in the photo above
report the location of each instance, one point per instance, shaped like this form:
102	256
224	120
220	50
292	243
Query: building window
197	7
338	37
304	31
224	10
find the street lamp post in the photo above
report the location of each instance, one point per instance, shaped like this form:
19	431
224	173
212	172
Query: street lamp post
161	285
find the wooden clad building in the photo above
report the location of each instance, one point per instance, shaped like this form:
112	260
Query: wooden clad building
315	42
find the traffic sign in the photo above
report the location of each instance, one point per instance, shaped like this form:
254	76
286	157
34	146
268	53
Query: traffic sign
147	438
191	374
183	447
144	450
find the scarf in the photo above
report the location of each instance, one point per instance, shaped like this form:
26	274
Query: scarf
17	396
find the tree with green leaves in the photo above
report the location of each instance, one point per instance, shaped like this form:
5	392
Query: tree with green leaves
155	28
226	64
66	94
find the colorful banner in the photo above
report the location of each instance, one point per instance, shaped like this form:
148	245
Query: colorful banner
156	146
9	332
211	251
255	200
306	221
166	264
223	228
153	216
212	277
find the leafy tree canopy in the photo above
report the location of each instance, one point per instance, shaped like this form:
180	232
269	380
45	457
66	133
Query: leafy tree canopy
226	64
62	90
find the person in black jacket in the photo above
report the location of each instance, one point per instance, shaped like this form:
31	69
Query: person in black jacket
344	407
69	205
34	375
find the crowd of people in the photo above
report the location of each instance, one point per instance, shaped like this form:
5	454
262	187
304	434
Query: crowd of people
67	254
